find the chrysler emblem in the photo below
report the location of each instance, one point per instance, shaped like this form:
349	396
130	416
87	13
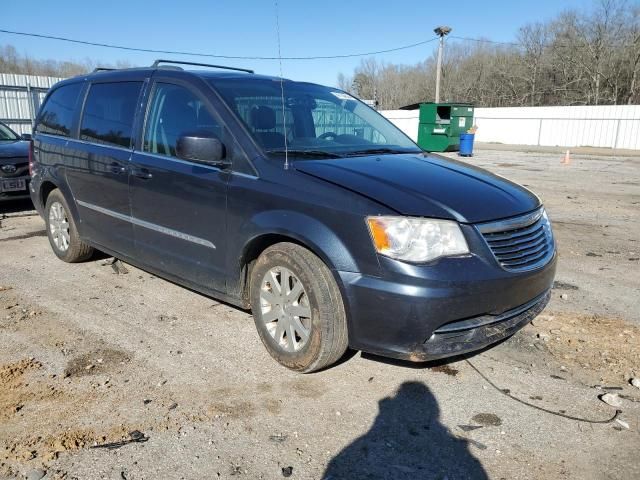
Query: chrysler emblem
9	168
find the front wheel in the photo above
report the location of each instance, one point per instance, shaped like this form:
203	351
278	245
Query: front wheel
298	308
62	231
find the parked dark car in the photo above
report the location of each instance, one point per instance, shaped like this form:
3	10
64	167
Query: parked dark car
14	164
295	200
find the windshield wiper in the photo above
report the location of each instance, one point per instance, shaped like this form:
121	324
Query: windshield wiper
306	153
373	151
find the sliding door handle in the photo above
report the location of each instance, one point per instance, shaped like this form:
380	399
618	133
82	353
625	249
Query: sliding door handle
117	168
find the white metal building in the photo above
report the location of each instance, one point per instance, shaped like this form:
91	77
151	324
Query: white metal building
20	99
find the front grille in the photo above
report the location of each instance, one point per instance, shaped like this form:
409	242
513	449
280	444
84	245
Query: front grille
21	164
521	243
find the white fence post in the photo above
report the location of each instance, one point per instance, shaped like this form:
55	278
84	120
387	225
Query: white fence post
539	131
615	140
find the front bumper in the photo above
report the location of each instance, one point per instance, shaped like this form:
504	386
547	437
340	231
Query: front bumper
15	195
459	305
474	334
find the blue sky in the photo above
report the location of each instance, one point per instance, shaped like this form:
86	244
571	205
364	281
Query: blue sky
247	27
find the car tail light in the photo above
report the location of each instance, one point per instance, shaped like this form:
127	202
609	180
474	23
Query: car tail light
30	158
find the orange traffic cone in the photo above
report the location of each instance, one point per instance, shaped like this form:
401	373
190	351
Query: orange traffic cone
567	158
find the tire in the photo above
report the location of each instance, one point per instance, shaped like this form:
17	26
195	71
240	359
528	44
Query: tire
317	310
62	232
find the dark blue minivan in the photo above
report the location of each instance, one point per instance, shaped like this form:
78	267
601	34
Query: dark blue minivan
295	200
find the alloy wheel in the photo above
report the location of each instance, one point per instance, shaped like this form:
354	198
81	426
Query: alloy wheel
59	226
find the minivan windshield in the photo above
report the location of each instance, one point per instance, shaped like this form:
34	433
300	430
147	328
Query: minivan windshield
6	134
319	122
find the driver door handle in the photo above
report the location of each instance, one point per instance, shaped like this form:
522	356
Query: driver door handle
143	173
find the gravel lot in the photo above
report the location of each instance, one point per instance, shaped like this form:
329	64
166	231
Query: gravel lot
88	356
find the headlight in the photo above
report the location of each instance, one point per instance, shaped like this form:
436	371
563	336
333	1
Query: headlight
416	239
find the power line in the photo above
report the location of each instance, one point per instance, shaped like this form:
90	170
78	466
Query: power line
210	55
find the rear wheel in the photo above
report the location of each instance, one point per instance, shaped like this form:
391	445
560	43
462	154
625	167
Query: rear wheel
298	308
62	231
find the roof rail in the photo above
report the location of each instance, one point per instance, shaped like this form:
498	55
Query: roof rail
102	69
159	61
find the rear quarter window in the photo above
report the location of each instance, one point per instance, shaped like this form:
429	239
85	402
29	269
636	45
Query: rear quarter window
56	115
109	112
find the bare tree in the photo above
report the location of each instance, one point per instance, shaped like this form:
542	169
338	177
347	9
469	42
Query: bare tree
12	62
578	58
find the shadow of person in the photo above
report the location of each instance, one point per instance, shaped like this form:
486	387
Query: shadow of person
406	441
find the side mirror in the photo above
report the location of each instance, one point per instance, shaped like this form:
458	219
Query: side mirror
203	147
26	136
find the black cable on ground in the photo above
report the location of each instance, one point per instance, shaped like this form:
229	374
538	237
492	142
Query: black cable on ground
552	412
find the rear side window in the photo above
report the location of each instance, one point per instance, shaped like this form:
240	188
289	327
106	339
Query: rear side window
56	116
174	111
108	113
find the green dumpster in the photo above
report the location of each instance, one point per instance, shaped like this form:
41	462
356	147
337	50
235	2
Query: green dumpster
441	124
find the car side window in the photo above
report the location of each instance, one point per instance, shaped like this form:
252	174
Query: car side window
174	111
108	113
56	115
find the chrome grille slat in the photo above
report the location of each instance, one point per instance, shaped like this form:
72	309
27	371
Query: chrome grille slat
520	232
526	261
523	253
522	243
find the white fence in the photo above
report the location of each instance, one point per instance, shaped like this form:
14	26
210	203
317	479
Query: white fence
615	126
20	99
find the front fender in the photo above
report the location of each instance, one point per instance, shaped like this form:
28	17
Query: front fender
298	227
304	229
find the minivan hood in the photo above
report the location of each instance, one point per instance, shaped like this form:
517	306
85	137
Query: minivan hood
17	148
426	186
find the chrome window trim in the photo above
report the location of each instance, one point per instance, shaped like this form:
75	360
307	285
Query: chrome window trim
105	145
171	158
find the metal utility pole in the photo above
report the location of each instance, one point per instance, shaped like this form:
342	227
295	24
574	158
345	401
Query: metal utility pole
441	32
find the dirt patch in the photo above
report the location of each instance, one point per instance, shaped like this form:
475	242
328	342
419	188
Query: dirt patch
12	312
606	347
16	389
99	361
235	409
273	406
12	373
446	369
487	419
46	449
558	285
307	388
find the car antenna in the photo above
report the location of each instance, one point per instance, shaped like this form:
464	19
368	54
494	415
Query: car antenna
284	123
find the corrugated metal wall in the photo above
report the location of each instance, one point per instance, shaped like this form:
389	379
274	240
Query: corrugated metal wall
610	126
20	98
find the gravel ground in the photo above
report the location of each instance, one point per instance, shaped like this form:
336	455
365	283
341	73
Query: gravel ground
88	356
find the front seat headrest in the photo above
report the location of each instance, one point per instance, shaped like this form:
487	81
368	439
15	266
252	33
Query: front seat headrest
263	118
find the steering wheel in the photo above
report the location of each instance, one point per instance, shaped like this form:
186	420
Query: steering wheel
328	135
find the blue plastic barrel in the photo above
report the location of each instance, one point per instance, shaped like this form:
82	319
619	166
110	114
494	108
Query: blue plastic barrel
466	144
